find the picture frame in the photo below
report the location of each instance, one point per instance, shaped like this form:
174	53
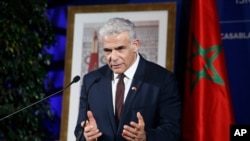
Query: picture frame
155	23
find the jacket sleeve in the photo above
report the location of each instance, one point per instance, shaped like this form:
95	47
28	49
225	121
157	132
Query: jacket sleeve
169	110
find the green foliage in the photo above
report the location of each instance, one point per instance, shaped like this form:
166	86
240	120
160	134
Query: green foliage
25	34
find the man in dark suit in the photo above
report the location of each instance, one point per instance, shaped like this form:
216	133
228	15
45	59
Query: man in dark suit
151	108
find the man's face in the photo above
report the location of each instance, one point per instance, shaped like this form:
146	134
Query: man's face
119	53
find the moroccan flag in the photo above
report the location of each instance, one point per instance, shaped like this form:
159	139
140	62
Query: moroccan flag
93	62
207	113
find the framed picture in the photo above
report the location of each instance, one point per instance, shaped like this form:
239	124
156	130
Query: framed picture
155	26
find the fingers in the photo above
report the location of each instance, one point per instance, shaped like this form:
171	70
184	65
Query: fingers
82	123
90	116
135	131
91	133
91	119
140	125
129	133
140	119
91	130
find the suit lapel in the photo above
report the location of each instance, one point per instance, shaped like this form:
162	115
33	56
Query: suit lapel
132	93
107	89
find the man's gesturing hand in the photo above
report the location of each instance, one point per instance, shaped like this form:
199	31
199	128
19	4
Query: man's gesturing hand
91	131
135	131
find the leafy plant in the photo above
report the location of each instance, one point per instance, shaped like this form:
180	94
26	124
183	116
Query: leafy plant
25	34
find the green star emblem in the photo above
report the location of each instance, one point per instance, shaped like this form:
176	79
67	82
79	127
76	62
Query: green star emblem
207	70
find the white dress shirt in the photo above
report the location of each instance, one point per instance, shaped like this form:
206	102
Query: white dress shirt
129	74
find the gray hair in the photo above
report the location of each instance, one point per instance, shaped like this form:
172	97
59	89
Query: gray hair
117	26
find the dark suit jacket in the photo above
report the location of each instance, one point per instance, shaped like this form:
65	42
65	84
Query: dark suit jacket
156	98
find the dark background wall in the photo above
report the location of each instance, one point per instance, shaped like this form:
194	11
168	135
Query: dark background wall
234	19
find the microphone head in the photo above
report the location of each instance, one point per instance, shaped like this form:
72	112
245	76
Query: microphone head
76	79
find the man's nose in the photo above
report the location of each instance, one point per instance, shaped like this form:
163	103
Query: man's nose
114	55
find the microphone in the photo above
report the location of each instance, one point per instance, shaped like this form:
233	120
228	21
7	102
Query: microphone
79	136
75	79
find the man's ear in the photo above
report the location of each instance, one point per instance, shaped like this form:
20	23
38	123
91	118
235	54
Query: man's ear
136	45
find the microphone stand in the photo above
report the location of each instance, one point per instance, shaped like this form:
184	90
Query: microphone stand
79	136
76	79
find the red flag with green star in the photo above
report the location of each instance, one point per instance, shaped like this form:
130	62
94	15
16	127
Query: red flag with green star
207	113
